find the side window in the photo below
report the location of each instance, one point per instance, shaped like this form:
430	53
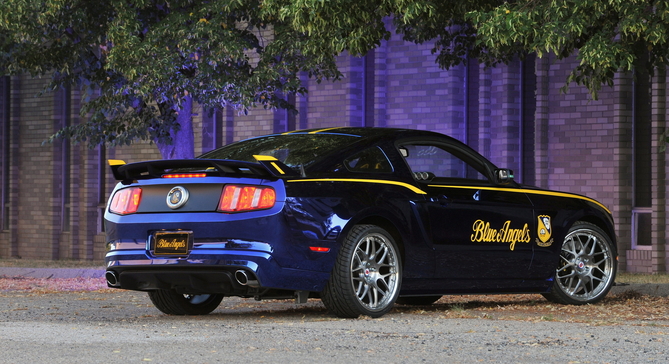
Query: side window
371	160
431	161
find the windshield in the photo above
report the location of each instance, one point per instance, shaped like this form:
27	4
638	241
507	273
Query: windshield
291	149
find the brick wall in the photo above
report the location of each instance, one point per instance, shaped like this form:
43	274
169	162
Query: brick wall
638	261
505	116
570	143
36	206
581	138
419	94
40	227
586	147
585	144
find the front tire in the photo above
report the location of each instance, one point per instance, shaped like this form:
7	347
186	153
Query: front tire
366	278
172	303
587	267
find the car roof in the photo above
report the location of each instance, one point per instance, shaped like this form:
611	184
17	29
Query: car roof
376	134
367	132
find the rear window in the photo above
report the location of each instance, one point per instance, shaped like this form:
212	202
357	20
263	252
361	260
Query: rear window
291	149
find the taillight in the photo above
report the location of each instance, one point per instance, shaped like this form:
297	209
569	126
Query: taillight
237	198
126	201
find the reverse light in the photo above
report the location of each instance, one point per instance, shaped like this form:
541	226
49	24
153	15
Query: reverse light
126	201
238	198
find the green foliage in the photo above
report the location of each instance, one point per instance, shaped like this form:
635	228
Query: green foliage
445	24
137	61
357	26
606	36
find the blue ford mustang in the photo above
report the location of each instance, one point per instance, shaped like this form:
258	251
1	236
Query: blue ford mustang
362	218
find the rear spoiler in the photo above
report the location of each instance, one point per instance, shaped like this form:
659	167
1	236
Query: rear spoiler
266	167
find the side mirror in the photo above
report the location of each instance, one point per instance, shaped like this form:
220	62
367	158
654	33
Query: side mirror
503	176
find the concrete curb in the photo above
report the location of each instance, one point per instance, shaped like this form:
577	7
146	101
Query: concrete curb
651	289
11	272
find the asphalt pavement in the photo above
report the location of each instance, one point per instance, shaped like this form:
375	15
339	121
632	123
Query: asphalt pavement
651	289
124	327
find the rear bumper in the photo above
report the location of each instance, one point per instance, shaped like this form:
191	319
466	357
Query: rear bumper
208	270
269	246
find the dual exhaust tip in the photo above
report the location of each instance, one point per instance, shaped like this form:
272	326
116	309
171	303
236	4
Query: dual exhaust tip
245	279
241	276
112	279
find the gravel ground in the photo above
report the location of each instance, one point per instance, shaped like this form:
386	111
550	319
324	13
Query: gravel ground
111	326
68	316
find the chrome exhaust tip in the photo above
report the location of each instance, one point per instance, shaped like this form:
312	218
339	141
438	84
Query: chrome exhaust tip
244	279
112	279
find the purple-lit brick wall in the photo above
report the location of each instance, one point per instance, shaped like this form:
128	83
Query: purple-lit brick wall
513	114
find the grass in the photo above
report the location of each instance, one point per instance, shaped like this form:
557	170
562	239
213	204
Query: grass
65	263
642	278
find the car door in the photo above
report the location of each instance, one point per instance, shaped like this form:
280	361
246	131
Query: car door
480	231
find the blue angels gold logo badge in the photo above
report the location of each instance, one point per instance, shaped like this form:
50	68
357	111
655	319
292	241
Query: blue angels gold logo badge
177	197
544	231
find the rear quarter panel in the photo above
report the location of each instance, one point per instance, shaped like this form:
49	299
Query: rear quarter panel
324	213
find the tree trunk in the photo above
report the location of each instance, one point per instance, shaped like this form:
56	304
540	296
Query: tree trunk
183	141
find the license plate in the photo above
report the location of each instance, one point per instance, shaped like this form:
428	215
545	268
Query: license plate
172	243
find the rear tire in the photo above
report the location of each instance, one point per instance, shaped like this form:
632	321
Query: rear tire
366	278
587	267
172	303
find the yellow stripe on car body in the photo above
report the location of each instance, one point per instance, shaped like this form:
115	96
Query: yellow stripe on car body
379	181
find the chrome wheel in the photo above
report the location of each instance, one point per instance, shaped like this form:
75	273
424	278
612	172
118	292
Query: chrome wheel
374	272
587	266
366	277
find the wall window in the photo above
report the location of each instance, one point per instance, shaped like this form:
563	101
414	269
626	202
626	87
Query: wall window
641	227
